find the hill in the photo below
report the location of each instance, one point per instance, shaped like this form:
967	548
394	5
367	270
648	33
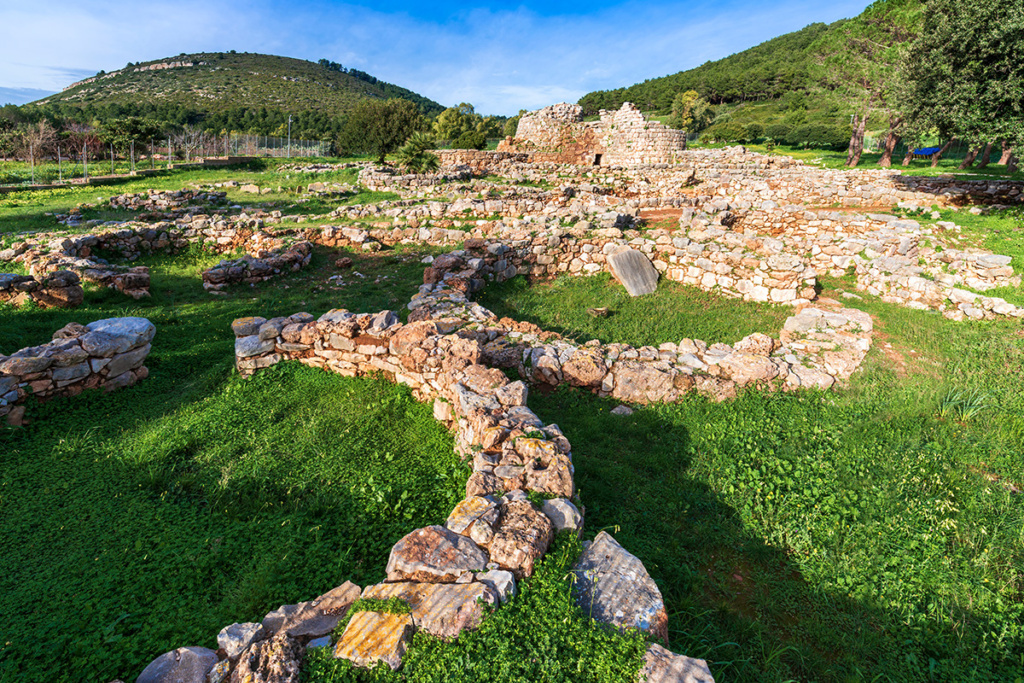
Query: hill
237	91
810	79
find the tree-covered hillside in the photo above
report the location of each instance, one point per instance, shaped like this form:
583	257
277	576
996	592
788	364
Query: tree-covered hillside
221	81
767	71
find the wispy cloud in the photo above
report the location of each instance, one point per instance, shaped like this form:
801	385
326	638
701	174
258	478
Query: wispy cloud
501	60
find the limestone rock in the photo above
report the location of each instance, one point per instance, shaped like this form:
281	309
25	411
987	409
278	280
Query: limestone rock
634	271
747	368
137	331
434	555
637	382
663	666
373	637
316	617
563	514
184	665
585	368
521	538
503	582
441	609
234	639
277	660
613	587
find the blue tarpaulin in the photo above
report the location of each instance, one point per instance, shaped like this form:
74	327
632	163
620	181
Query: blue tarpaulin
926	151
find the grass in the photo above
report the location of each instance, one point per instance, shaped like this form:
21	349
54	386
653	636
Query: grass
139	521
542	635
869	161
862	535
672	313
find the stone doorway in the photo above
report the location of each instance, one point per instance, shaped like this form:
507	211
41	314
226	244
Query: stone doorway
597	160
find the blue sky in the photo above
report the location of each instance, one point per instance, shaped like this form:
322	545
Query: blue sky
499	56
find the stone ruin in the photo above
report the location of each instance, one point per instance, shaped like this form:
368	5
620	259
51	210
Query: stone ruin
105	354
625	137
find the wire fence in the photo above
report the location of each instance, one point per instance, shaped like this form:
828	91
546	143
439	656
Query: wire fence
78	164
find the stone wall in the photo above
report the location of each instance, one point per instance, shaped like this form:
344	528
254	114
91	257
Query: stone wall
624	137
60	289
106	354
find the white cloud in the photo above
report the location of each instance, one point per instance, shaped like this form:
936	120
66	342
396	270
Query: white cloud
500	61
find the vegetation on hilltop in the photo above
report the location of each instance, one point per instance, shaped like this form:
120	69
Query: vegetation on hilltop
913	70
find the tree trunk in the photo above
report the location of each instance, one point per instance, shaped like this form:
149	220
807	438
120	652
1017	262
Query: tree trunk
938	155
968	161
986	156
856	142
909	156
1011	164
891	140
1007	153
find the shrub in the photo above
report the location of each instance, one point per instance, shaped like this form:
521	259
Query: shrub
778	131
471	139
415	156
755	131
726	132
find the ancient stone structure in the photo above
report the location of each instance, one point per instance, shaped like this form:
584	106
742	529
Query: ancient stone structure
59	289
107	354
624	137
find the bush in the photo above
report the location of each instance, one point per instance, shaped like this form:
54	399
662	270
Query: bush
725	132
471	139
755	131
819	136
778	131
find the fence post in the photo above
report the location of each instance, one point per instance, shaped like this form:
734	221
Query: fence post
85	160
112	171
60	171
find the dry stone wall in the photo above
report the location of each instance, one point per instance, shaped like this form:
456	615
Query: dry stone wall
448	573
624	137
59	289
107	354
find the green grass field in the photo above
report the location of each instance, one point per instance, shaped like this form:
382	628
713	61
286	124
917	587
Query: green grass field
865	534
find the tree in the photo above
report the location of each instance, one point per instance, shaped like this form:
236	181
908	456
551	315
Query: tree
965	74
189	140
383	125
691	112
121	133
454	121
415	156
860	58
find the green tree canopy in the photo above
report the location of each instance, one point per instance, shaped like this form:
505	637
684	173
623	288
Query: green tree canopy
383	125
965	71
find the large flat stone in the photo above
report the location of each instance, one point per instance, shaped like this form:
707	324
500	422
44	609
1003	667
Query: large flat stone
662	666
184	665
441	609
138	331
434	555
634	271
613	587
316	617
234	639
373	637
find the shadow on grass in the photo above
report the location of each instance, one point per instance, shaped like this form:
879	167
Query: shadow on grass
736	597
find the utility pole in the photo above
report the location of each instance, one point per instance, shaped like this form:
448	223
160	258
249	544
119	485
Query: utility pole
289	136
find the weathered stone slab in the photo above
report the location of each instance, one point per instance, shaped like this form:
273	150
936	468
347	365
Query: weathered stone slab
434	555
663	666
469	510
613	587
184	665
634	271
320	616
441	609
503	582
137	330
563	514
373	637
